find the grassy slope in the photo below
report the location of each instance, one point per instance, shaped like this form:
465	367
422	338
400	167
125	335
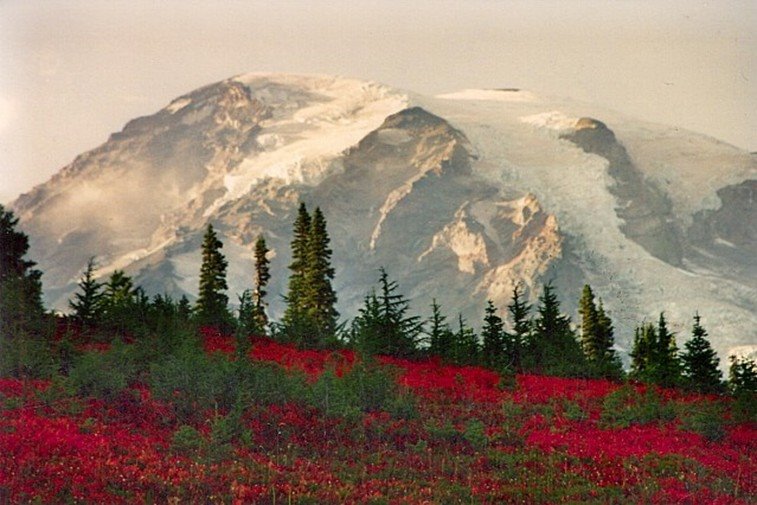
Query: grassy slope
468	438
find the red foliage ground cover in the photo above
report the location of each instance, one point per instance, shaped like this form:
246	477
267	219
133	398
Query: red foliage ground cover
475	440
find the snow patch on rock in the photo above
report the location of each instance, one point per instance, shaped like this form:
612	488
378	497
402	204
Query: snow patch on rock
491	95
178	104
314	120
552	120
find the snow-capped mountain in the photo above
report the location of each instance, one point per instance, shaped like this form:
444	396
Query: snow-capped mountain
460	196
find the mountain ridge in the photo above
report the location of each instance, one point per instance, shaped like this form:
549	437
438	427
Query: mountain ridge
459	196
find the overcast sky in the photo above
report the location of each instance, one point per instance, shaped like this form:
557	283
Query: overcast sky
74	71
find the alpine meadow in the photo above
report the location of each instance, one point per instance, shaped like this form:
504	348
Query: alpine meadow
310	289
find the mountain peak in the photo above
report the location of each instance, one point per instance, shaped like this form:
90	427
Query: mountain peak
459	196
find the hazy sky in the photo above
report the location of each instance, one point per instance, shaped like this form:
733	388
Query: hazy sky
72	72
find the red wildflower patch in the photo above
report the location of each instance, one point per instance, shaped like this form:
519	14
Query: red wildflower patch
16	387
464	439
434	381
312	362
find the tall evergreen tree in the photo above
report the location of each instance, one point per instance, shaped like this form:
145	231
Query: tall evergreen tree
597	337
493	338
700	362
520	314
609	365
88	301
667	364
440	336
383	325
318	296
644	341
589	325
24	349
20	282
212	303
553	347
294	322
119	302
262	276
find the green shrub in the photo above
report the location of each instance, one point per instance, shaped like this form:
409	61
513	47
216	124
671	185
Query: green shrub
103	375
745	407
186	440
445	433
573	411
475	434
226	429
193	382
625	407
513	420
365	388
25	355
403	406
332	396
704	418
268	383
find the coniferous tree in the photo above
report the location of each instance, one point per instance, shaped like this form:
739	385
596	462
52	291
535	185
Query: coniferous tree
88	301
20	282
609	365
294	322
742	382
440	336
212	302
184	309
383	326
247	320
247	323
589	325
700	362
597	337
667	364
262	276
742	375
553	347
318	296
655	355
369	328
644	341
24	332
120	308
465	346
520	312
493	338
118	289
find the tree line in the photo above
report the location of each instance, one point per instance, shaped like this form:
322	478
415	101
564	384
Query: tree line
528	339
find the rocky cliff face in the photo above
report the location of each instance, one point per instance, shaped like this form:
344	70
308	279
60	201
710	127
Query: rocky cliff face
724	240
459	196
